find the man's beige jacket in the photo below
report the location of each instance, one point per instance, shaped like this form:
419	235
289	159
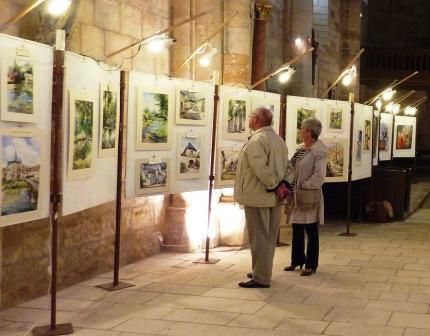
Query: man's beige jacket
262	165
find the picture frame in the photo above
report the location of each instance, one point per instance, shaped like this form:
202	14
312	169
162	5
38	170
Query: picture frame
367	140
236	108
337	159
152	175
82	135
405	129
155	108
358	147
24	174
227	162
188	155
108	121
18	86
335	119
192	104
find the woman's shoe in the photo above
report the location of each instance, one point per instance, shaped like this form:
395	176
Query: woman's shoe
307	272
292	267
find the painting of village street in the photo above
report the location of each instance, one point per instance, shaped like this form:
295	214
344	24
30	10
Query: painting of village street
152	177
83	135
189	157
20	174
20	85
227	164
109	120
336	159
302	114
192	108
236	116
153	117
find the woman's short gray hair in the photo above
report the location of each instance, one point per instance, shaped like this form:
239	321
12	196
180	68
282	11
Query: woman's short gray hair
314	125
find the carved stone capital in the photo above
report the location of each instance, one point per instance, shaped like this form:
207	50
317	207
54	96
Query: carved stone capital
262	11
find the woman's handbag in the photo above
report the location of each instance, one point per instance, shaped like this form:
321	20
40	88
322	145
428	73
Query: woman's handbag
307	199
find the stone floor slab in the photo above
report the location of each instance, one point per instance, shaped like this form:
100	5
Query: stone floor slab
200	316
410	320
358	315
360	329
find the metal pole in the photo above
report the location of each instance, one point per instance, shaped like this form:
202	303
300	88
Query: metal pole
116	285
351	136
55	193
206	260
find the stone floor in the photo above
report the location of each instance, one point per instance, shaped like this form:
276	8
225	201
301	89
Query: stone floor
377	283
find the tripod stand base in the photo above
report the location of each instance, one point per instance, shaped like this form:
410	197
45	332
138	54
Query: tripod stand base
346	234
60	329
204	261
111	287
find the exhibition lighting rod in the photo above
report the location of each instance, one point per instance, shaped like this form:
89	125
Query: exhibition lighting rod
343	72
416	103
22	13
391	86
402	98
166	30
195	52
280	69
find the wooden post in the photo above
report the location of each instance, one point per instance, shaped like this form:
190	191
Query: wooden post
206	259
117	285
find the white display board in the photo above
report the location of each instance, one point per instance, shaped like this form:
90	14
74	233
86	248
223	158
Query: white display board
385	136
83	78
39	124
405	131
198	132
362	142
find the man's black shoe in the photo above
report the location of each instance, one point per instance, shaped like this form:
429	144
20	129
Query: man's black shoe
252	284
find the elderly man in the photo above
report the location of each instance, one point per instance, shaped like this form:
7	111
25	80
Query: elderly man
259	187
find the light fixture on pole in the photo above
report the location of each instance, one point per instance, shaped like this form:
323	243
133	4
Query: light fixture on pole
378	104
389	108
300	44
159	42
58	7
209	53
396	109
349	75
388	94
411	111
286	74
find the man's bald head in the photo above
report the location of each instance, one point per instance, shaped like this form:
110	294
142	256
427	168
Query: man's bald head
264	115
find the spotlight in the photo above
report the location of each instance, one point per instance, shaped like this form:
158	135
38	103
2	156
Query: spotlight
158	43
299	43
411	111
349	75
58	7
396	108
207	58
378	104
388	94
389	107
286	75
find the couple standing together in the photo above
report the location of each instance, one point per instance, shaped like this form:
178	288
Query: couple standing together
265	178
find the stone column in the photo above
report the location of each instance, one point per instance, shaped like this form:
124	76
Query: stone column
261	11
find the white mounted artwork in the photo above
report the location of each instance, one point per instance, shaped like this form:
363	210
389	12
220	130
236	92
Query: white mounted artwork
236	107
337	159
367	141
358	147
385	136
335	121
361	157
155	108
188	157
405	136
24	174
109	120
19	98
82	135
152	175
192	104
227	162
299	109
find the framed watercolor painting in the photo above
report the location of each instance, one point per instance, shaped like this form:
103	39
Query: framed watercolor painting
109	121
227	162
235	111
337	160
18	86
154	119
82	136
152	175
192	106
189	165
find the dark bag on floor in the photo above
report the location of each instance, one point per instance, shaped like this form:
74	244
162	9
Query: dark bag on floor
380	211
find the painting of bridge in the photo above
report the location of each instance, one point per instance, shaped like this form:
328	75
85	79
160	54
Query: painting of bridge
20	174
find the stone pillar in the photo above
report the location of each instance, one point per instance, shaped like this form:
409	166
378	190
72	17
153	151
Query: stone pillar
261	11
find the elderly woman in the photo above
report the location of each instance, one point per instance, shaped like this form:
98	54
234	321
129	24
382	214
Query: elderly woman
308	164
